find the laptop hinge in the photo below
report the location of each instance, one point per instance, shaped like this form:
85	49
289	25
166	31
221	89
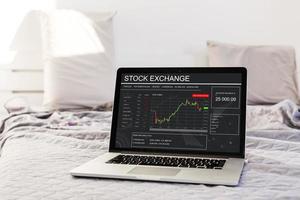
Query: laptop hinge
173	154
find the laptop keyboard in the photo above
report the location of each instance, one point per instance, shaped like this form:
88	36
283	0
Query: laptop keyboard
168	161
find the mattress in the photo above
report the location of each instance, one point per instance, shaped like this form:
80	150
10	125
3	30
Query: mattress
39	149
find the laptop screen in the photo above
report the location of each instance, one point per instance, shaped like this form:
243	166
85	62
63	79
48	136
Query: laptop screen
183	112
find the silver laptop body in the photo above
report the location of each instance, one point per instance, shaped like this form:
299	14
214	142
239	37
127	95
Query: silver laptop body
170	124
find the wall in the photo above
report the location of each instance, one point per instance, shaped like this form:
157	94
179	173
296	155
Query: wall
174	32
153	32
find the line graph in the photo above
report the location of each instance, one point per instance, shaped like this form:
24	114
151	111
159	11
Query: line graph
195	104
182	111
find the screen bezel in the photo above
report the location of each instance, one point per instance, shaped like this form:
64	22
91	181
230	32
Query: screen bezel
121	70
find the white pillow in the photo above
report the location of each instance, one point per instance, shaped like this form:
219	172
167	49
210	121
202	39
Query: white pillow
271	69
78	58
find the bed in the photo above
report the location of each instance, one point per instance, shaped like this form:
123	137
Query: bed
39	149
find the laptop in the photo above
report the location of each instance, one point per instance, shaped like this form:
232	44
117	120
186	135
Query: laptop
184	125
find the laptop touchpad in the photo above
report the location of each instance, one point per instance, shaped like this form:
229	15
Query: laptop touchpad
154	171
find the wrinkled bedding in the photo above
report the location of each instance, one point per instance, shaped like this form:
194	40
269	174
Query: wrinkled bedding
39	149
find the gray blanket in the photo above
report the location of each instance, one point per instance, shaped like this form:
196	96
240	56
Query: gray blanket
38	150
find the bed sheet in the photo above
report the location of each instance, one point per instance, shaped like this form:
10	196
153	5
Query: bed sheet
38	150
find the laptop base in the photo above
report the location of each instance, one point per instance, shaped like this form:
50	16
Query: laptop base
98	167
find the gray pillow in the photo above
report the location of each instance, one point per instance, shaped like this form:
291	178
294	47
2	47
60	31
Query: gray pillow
271	69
